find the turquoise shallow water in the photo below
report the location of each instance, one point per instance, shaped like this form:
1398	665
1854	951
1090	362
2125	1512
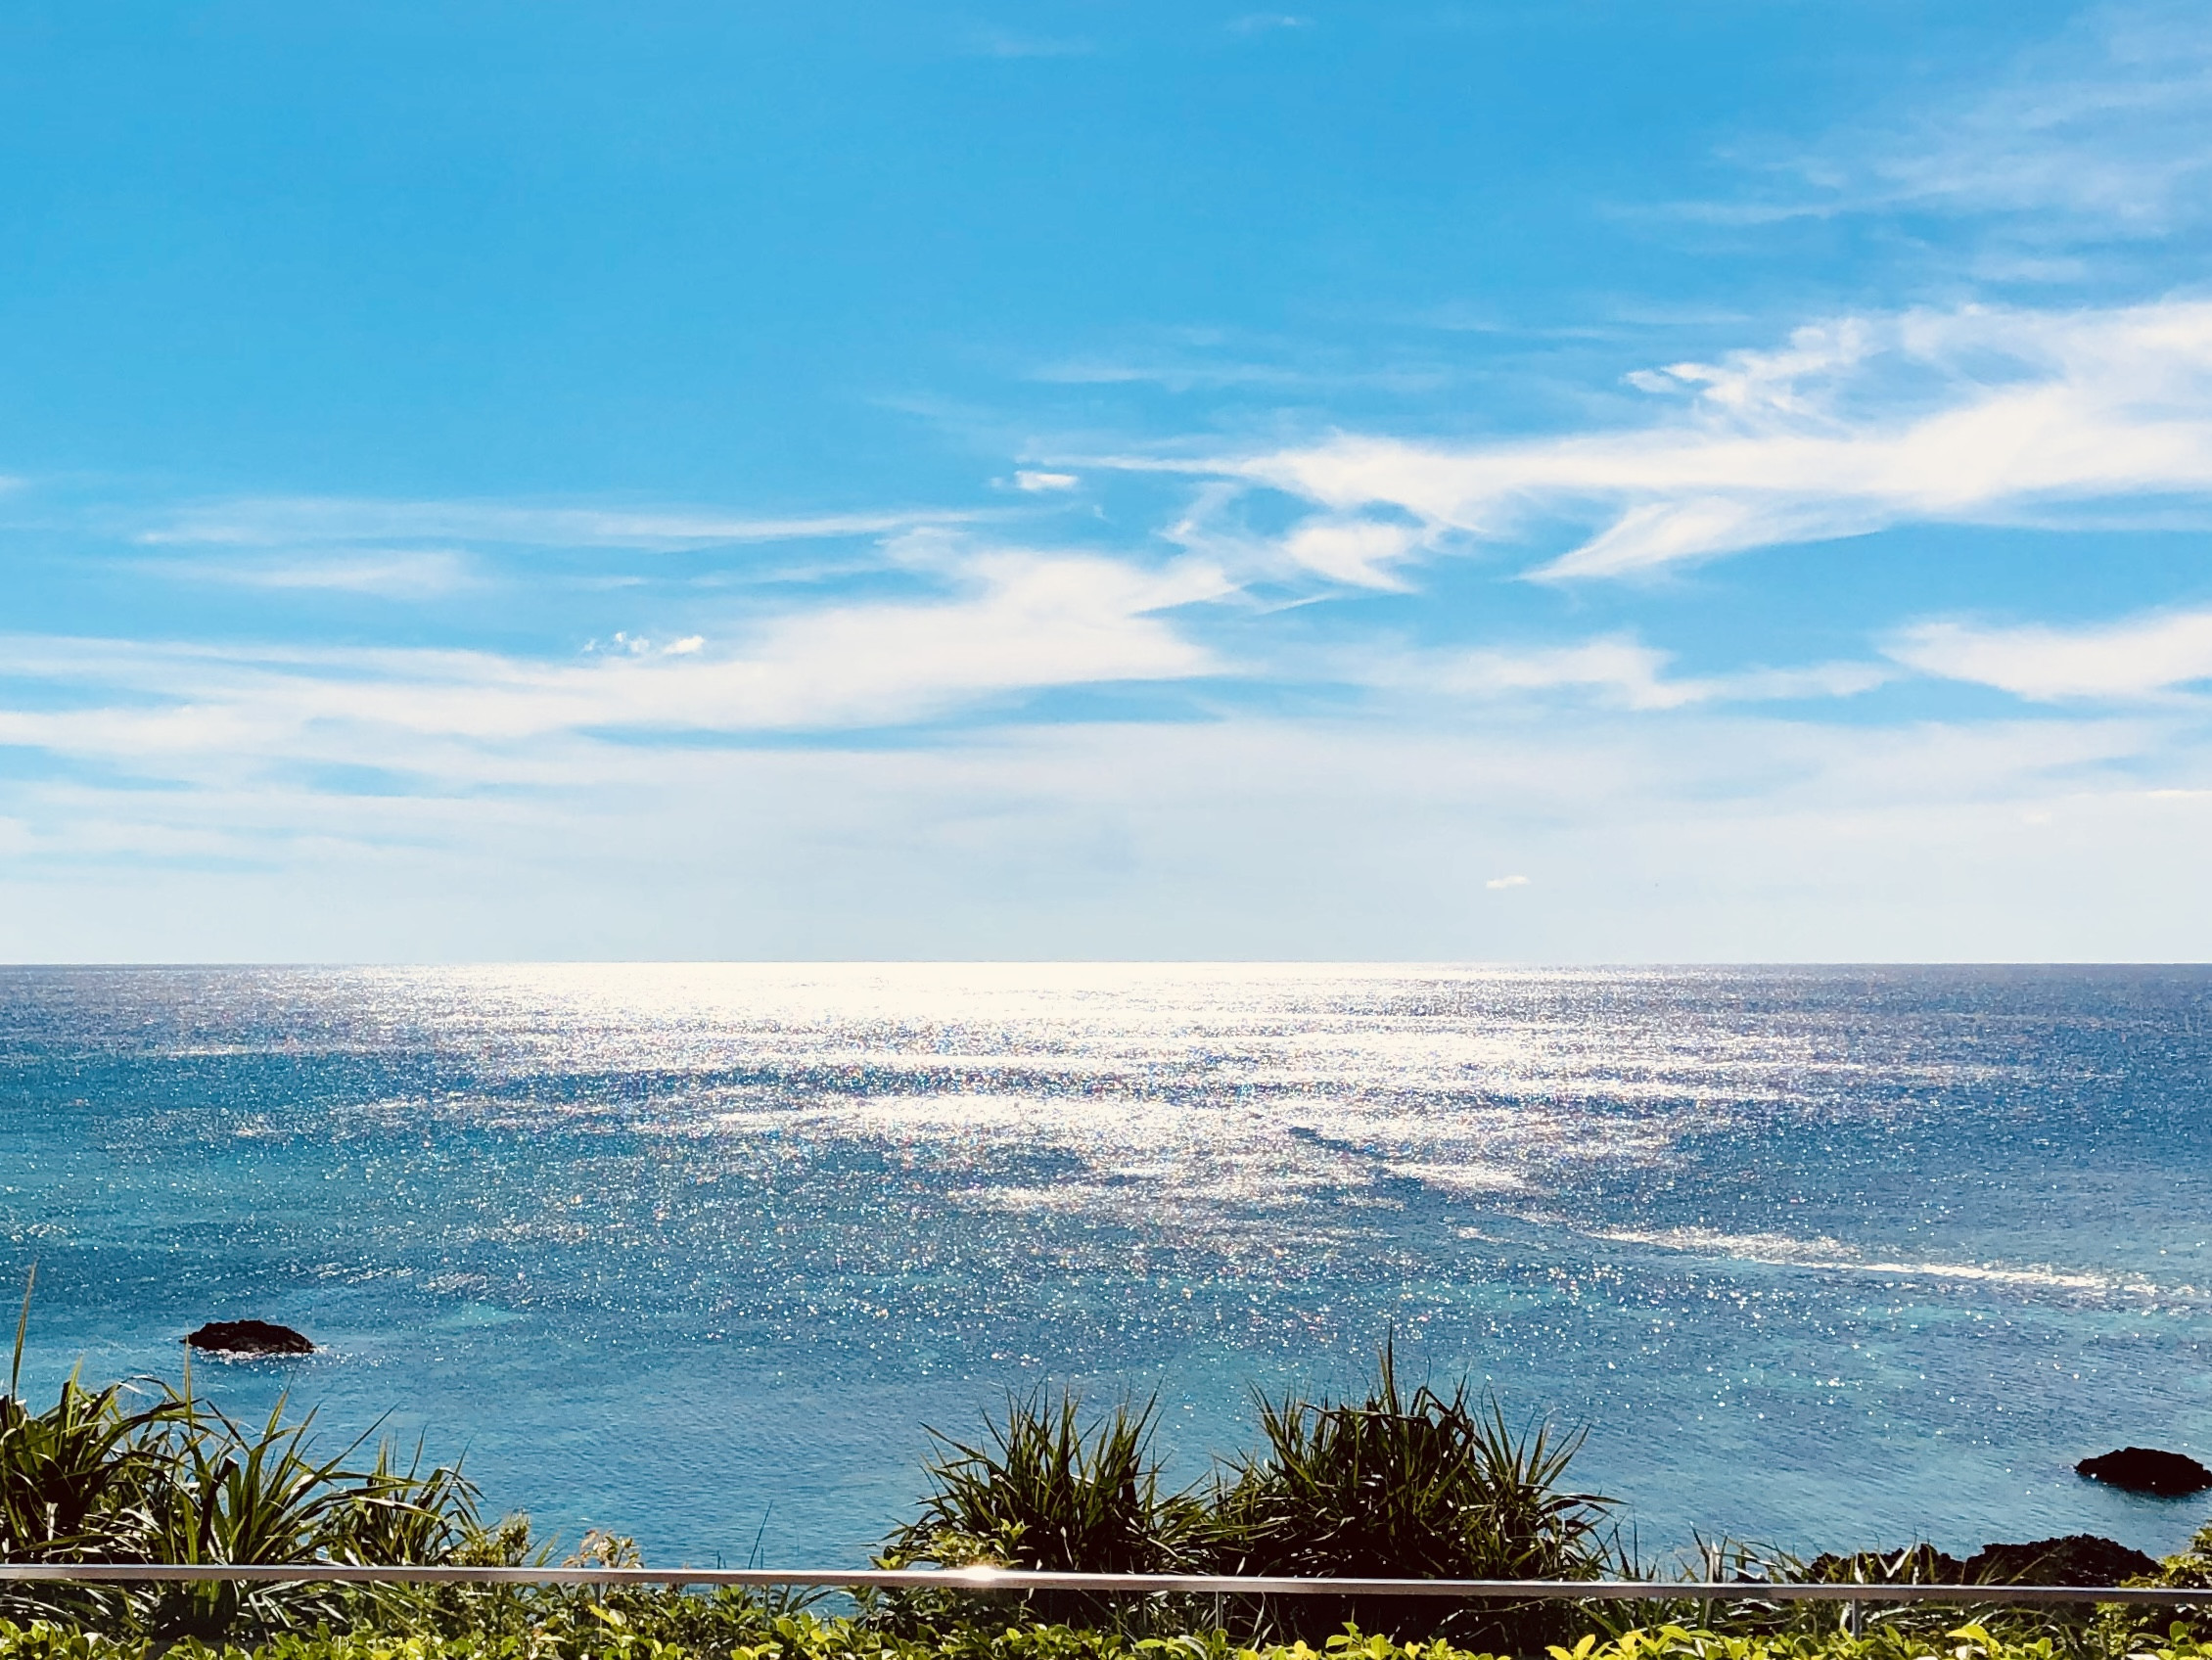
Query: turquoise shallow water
1821	1257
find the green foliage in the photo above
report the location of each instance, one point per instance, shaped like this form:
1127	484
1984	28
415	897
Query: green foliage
2074	1628
1388	1486
2189	1569
1971	1640
1419	1486
1425	1486
1045	1491
719	1629
75	1480
112	1476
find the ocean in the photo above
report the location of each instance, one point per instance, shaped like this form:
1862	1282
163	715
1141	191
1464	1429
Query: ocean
1820	1258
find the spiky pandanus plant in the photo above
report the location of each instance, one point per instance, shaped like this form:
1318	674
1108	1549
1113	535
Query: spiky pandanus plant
75	1485
227	1492
1419	1486
1044	1490
96	1477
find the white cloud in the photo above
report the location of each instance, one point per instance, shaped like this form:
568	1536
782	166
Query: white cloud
1844	680
1727	839
2104	130
400	574
1974	416
2139	658
1039	482
1499	883
1616	664
638	645
1357	552
307	521
1019	621
1338	550
1617	670
1188	372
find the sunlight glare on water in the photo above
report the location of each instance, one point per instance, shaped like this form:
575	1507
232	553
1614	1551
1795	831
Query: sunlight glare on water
1824	1257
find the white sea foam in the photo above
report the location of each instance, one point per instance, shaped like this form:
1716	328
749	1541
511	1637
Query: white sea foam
1834	1255
1464	1179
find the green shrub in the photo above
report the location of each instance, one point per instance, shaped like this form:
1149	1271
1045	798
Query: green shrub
1419	1486
1389	1485
100	1477
598	1632
1045	1491
2189	1569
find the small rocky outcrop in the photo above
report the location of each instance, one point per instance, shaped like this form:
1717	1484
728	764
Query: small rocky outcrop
1919	1564
2079	1558
250	1337
2146	1469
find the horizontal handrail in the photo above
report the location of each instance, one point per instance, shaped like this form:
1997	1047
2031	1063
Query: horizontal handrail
1016	1580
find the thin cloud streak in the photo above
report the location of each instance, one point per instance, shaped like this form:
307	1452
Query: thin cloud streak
1616	671
295	521
2103	132
401	574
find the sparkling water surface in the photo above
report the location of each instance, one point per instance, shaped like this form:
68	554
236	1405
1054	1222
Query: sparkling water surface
1821	1257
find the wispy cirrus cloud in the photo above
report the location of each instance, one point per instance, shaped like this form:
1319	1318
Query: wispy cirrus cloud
397	573
1190	372
2137	658
307	521
1007	43
1616	670
2104	131
1980	415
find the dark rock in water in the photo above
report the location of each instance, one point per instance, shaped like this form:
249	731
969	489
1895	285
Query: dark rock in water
1919	1564
2146	1469
250	1337
2079	1558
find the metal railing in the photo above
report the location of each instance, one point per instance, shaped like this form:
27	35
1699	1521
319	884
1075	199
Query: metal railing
1144	1584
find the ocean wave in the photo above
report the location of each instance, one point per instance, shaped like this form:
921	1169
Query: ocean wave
1825	1253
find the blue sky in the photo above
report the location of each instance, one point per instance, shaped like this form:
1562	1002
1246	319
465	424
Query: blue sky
1551	482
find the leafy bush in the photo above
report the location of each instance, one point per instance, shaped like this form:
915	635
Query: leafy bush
1389	1485
2189	1569
598	1632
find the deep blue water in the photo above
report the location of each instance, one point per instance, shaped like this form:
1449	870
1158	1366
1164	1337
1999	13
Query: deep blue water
1821	1257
